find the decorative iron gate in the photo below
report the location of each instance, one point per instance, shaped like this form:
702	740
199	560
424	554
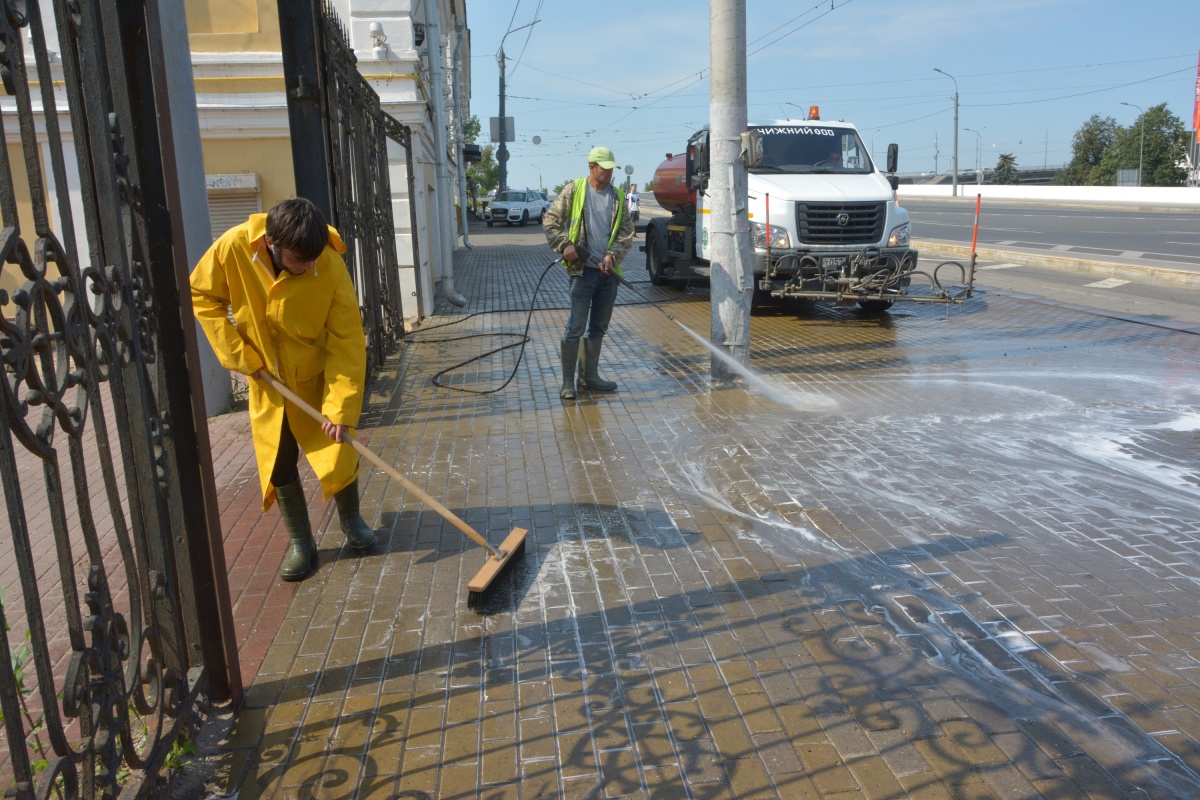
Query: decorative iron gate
103	444
340	123
362	194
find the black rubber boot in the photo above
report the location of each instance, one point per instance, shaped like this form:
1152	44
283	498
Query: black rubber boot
570	359
301	557
358	534
591	364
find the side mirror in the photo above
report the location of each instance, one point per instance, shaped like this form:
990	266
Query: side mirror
894	181
893	157
697	162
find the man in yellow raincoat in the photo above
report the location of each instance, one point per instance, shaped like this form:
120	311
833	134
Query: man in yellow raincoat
294	316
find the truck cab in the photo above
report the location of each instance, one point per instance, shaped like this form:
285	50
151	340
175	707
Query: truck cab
824	219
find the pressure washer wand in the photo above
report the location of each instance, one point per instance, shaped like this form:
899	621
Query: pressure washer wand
629	285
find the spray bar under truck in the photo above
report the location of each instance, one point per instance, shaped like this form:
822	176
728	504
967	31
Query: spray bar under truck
825	221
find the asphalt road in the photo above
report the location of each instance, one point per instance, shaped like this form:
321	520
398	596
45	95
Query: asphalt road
1124	263
1146	300
1141	237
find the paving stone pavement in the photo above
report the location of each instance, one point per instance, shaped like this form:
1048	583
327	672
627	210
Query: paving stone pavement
959	561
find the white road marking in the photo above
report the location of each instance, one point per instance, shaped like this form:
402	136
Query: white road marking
1107	283
998	266
1132	254
1063	247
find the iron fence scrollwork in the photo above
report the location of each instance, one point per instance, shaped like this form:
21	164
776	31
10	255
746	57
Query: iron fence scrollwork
113	665
357	132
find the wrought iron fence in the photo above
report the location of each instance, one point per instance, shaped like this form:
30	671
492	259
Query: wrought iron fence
357	131
103	444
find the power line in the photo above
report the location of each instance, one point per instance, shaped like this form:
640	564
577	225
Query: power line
1080	94
832	8
511	20
528	36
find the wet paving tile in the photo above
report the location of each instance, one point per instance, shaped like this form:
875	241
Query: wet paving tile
948	552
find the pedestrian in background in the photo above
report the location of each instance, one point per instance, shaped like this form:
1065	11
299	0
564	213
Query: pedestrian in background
634	203
281	277
588	225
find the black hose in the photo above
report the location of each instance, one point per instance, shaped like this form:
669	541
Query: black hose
525	339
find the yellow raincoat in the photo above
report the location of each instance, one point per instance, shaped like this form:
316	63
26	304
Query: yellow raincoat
304	330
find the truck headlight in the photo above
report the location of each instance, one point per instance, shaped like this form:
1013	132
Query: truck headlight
779	236
900	236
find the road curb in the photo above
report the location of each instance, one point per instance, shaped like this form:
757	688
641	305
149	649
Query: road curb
1129	272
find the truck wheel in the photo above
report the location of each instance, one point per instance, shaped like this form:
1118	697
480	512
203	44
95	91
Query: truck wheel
524	219
654	264
875	306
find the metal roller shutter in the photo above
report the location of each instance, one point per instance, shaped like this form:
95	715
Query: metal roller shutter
231	200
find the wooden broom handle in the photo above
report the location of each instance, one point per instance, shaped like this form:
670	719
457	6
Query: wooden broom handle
366	453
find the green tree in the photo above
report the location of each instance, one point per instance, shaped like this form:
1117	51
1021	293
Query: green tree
558	189
1088	147
1163	151
471	129
484	174
1006	169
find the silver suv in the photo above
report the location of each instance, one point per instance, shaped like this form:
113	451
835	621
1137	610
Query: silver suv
516	206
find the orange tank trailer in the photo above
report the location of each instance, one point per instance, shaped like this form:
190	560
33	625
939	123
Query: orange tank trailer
670	185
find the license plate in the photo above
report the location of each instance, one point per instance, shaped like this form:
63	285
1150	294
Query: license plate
834	262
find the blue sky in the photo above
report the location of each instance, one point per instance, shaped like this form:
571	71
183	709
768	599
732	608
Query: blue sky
634	75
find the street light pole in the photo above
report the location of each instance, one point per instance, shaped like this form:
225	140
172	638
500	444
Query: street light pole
954	180
502	151
1142	145
978	156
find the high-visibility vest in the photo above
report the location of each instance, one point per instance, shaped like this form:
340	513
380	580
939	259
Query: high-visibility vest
577	202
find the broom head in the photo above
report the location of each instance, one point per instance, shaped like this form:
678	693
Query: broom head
482	586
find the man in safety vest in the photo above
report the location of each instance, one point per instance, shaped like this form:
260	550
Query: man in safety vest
589	226
281	278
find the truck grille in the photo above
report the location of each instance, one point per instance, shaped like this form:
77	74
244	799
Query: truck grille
818	223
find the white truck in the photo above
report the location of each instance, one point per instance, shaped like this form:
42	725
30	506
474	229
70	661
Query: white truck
834	230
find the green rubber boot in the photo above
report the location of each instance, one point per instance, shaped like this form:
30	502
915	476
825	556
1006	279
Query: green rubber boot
570	359
358	533
301	558
591	365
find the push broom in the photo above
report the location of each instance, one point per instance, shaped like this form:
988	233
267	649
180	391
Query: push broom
500	560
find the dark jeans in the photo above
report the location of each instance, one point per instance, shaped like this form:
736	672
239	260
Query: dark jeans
592	297
287	458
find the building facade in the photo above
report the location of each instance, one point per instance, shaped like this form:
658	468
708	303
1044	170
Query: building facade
406	49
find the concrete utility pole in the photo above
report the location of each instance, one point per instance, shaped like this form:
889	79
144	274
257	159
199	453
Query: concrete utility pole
502	150
954	180
731	281
1142	145
978	155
